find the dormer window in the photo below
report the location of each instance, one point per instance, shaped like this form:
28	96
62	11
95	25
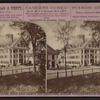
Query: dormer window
89	45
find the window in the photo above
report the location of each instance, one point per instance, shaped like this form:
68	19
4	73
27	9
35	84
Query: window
14	51
82	51
20	51
89	45
53	57
14	56
82	61
91	51
86	51
77	57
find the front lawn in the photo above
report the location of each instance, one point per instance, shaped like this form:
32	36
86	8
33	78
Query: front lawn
87	84
22	83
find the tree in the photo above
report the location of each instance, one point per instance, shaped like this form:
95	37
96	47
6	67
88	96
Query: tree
94	26
31	32
63	35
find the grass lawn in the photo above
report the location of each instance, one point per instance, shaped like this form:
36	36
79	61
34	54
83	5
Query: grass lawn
87	84
22	83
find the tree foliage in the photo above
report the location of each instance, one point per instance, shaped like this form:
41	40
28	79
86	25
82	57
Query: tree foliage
33	33
94	26
64	34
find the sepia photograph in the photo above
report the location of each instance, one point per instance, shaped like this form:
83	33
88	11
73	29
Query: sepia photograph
57	56
22	57
73	57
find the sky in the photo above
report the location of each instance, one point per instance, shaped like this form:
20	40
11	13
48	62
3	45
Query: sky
50	28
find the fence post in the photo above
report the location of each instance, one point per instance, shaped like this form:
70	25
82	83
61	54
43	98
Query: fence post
71	72
66	73
57	74
92	71
12	71
21	70
1	72
83	71
29	69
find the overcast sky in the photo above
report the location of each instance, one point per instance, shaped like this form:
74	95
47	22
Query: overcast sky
50	28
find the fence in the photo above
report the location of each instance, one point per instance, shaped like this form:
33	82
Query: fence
69	73
4	72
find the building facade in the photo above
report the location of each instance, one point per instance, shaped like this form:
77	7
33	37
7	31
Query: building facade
12	52
52	56
87	54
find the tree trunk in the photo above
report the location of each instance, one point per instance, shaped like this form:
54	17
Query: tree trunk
33	45
65	57
34	68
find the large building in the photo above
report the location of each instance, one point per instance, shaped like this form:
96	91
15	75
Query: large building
12	51
52	56
85	54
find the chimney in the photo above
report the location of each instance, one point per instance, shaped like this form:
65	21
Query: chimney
82	37
9	37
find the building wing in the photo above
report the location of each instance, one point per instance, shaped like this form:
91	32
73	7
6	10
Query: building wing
50	50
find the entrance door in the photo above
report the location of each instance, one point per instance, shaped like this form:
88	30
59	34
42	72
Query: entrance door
53	64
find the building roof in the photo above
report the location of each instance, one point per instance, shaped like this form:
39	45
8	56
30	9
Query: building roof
50	50
5	43
86	42
83	45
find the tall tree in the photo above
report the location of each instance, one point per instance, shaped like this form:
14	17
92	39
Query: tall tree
63	35
94	26
31	32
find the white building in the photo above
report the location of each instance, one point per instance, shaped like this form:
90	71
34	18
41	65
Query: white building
12	51
52	56
86	54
